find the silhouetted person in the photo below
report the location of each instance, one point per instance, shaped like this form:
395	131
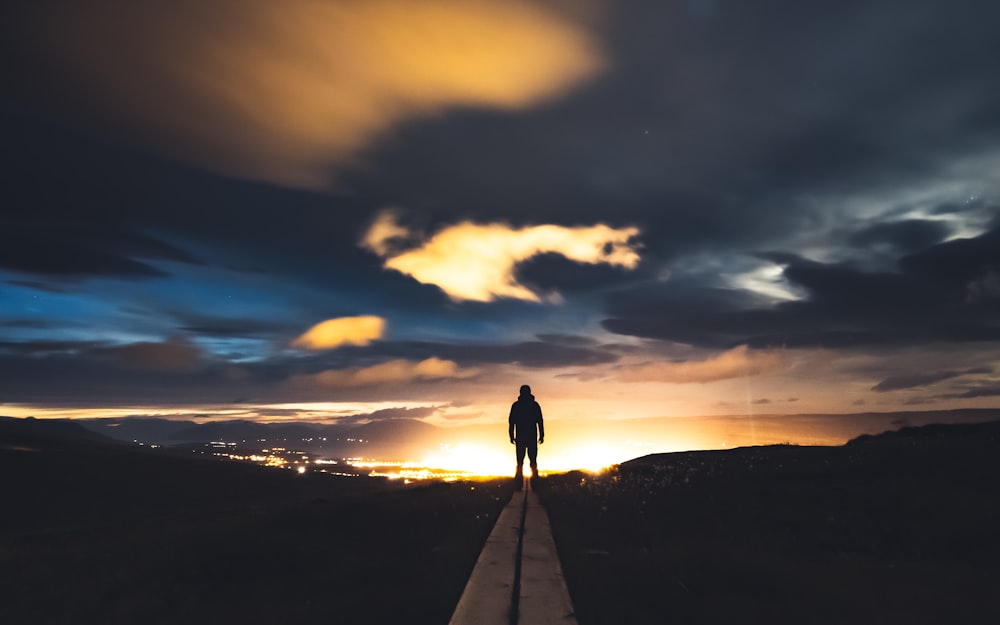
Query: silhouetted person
527	431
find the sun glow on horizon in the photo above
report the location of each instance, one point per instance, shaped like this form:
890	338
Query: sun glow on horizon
482	460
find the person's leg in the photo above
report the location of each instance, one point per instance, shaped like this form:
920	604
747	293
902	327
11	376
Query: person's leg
533	458
519	450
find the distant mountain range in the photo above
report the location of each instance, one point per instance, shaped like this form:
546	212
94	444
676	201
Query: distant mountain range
409	439
17	432
392	439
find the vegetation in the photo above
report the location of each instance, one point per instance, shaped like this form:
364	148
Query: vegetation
101	533
898	528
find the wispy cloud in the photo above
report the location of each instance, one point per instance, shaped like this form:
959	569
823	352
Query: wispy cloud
393	371
736	363
477	262
283	91
175	355
917	380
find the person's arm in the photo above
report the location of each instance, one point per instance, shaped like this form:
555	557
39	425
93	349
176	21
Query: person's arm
541	426
510	425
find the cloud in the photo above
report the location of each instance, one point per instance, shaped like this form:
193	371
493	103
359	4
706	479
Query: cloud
230	327
533	354
985	287
280	91
382	232
389	414
736	363
477	262
71	249
393	371
909	235
334	333
926	298
174	355
988	389
915	380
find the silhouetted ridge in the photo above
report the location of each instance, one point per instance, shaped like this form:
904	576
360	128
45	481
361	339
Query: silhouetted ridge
934	433
29	430
953	434
222	430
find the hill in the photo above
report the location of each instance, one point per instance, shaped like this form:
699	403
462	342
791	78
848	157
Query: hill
894	528
96	531
31	431
395	439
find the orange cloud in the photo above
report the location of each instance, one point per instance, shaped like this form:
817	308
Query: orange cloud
391	371
736	363
477	261
334	333
284	91
383	231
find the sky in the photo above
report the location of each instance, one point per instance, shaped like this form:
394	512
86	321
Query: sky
328	209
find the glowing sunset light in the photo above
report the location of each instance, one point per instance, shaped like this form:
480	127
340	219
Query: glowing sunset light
471	458
333	333
291	88
390	371
477	262
735	363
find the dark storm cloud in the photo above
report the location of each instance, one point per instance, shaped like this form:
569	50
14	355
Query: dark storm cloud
704	128
555	273
135	374
719	129
957	262
568	339
78	250
388	414
535	354
466	354
45	347
109	197
174	355
985	390
744	103
917	380
924	301
682	310
176	371
234	327
906	236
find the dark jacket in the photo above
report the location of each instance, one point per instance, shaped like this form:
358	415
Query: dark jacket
525	417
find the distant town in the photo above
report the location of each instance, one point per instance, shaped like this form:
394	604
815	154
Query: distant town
280	457
385	450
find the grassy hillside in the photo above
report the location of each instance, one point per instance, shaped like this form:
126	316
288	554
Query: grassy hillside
899	528
98	532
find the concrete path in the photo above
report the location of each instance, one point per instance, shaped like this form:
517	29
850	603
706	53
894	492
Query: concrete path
517	579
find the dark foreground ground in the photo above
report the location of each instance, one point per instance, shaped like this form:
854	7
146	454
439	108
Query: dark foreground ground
898	528
95	532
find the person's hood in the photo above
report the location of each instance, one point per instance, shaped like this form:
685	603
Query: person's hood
527	397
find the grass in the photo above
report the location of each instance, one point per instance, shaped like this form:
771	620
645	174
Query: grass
98	534
896	529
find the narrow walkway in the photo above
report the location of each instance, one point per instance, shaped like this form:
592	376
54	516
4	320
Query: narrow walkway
517	579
